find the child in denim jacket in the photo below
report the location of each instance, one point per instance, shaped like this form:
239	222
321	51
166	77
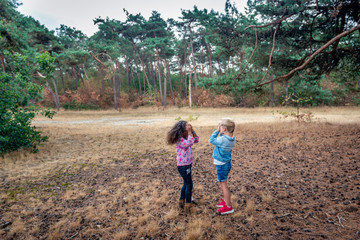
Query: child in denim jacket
222	159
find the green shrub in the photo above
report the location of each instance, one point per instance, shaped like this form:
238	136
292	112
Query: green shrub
310	88
73	105
16	110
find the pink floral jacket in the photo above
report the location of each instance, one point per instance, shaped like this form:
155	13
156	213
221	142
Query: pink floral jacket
184	154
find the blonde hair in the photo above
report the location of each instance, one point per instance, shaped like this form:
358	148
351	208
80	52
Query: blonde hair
229	124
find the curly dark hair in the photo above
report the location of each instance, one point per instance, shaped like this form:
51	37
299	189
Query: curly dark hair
176	133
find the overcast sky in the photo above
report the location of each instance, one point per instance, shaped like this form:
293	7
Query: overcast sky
80	13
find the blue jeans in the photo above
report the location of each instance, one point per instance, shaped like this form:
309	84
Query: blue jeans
186	190
222	171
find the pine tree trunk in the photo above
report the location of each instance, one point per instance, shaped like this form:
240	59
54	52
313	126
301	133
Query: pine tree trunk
114	91
165	84
144	74
80	75
219	64
2	62
118	89
169	78
76	78
202	65
132	76
272	102
190	97
137	69
185	76
83	66
148	70
62	80
159	75
127	72
193	57
286	92
210	61
54	94
101	73
181	76
153	72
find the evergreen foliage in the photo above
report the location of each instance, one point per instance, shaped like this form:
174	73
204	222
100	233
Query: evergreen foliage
229	53
16	109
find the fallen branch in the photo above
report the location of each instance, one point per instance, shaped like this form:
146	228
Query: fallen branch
312	56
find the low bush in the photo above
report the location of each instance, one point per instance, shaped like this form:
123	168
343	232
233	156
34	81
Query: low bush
73	105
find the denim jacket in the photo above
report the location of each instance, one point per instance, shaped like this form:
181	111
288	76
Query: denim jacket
223	146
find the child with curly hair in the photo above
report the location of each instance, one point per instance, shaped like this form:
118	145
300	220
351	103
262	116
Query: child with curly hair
183	136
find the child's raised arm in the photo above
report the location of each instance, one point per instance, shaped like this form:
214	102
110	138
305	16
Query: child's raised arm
194	135
184	143
214	139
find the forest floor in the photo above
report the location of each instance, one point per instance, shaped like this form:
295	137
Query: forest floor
110	175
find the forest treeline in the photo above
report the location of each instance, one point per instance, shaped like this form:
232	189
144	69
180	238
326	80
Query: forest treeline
277	52
286	52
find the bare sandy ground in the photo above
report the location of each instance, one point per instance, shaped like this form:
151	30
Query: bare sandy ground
203	116
110	175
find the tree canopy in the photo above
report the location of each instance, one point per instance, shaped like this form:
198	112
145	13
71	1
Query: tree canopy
252	58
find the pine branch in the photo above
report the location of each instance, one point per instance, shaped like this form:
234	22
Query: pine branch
272	51
272	23
252	54
312	56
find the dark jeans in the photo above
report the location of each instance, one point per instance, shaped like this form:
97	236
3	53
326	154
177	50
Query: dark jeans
186	190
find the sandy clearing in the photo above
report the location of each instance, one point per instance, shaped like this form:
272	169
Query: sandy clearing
202	116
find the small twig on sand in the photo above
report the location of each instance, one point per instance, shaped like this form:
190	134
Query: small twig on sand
74	235
287	214
340	218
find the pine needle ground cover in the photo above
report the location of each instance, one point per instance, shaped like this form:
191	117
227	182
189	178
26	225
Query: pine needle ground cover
99	176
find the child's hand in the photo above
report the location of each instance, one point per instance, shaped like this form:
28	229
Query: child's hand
190	129
219	127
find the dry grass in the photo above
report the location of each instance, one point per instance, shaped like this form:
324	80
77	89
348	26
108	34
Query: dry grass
119	182
194	234
250	206
172	214
221	236
18	229
250	219
152	228
238	214
178	227
266	197
196	228
122	235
